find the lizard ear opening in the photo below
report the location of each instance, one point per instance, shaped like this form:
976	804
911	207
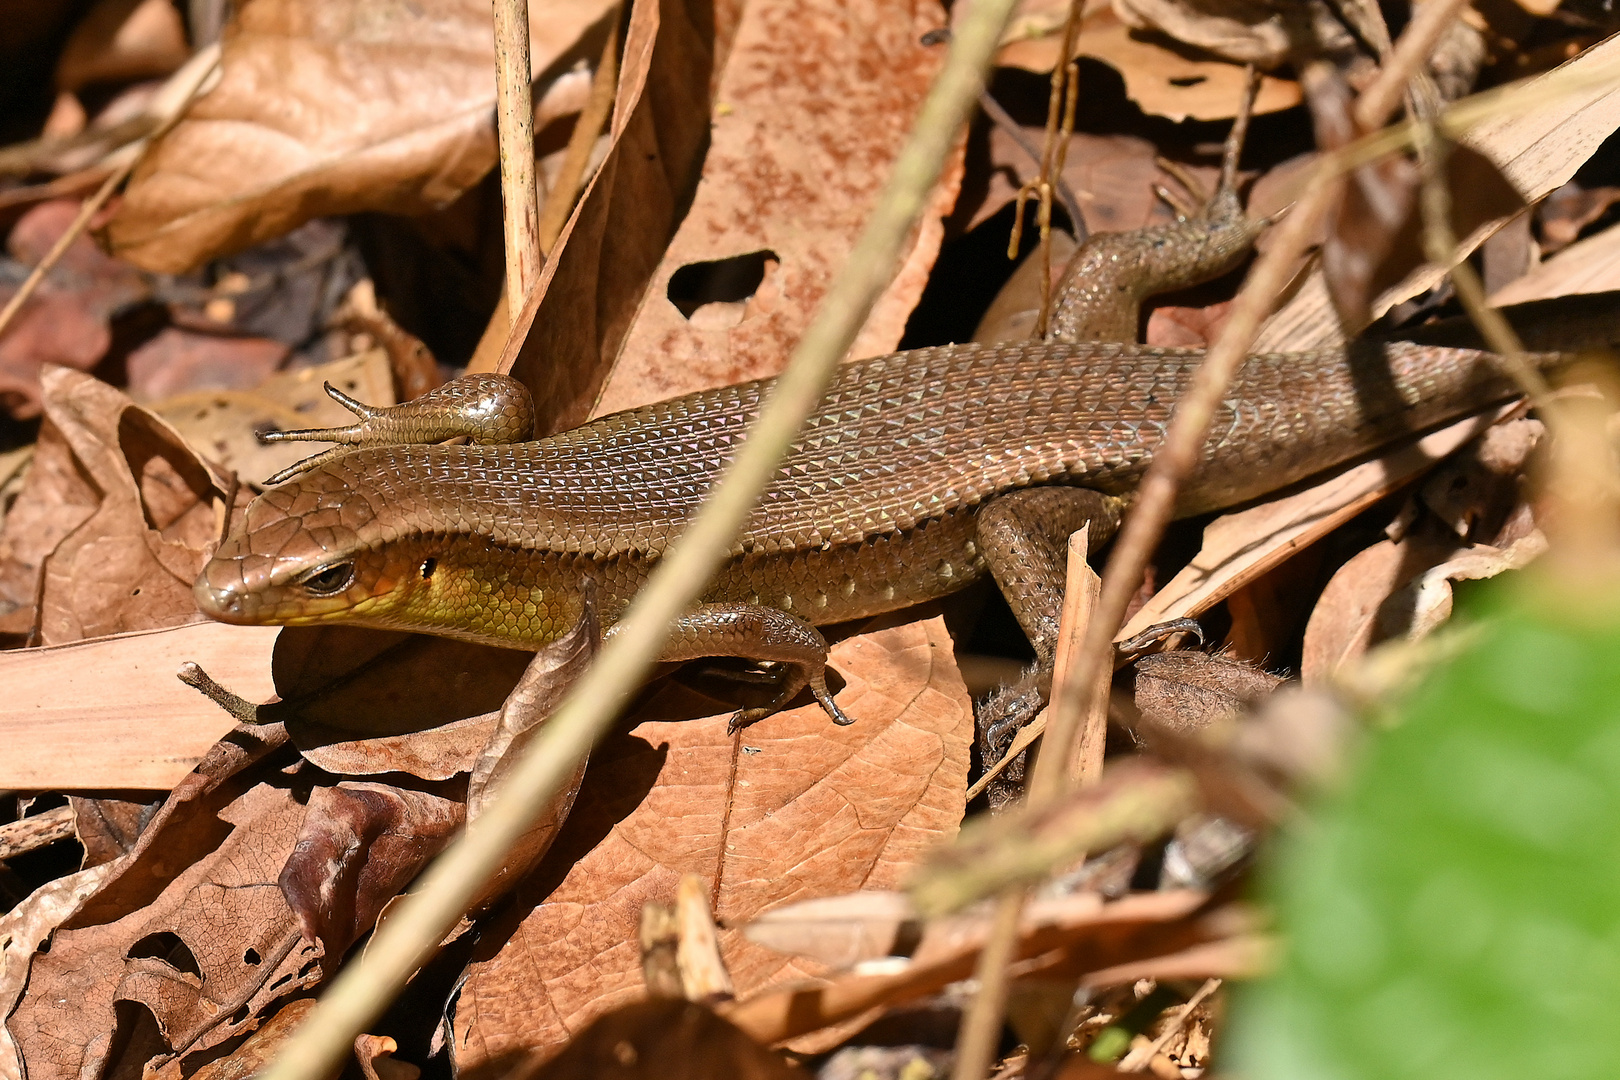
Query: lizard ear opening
429	564
329	580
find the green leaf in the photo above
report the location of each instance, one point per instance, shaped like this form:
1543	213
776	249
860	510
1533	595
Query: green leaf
1455	912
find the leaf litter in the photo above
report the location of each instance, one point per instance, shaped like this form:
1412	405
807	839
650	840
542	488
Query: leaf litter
808	860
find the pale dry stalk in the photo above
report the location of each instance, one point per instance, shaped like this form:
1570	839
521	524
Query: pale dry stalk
514	121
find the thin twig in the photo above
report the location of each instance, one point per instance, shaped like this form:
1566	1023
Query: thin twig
514	116
582	140
1011	128
411	934
185	84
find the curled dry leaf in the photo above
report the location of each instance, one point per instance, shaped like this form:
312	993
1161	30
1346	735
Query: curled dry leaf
111	525
791	807
779	206
1536	150
1076	938
1586	266
1398	587
375	1053
547	679
359	845
330	108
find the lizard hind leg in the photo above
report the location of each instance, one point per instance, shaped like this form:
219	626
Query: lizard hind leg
1100	296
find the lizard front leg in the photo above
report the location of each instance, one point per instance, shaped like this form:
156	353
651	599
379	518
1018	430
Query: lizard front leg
756	632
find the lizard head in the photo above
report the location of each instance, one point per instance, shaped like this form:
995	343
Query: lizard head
327	548
303	554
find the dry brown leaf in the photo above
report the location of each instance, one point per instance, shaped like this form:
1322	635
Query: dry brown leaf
666	1040
1078	942
360	844
375	1055
256	1052
176	361
65	1018
22	929
123	40
1344	623
790	808
81	716
1159	74
369	701
1587	266
205	954
331	108
569	333
131	563
1240	547
1537	150
549	676
107	827
780	205
65	322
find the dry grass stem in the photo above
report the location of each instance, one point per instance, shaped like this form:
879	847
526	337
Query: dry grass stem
514	115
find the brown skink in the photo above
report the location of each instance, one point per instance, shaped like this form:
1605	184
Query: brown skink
920	471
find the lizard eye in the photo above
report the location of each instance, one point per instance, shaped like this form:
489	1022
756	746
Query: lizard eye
329	580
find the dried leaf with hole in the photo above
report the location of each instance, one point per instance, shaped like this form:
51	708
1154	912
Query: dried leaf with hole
149	934
331	108
779	206
791	807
